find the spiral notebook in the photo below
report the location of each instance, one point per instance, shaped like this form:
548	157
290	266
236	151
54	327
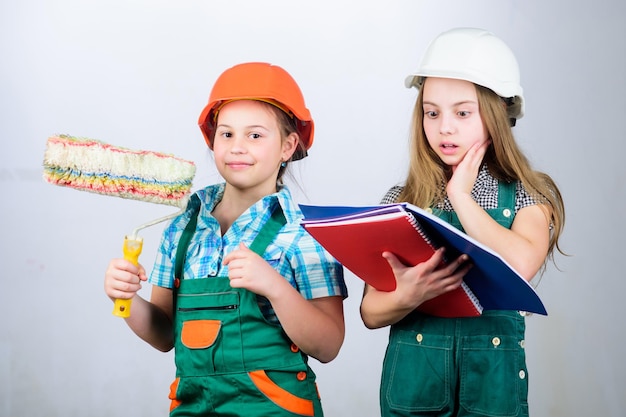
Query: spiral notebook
357	236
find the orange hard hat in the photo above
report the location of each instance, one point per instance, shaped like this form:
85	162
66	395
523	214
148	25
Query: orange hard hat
264	82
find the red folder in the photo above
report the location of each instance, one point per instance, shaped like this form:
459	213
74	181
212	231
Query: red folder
358	243
357	237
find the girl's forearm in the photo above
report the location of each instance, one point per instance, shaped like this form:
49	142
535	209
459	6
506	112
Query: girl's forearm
151	324
524	246
315	326
380	309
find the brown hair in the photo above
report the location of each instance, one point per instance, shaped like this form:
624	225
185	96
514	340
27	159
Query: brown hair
287	124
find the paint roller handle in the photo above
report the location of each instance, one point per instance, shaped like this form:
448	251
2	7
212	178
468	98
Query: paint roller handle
131	249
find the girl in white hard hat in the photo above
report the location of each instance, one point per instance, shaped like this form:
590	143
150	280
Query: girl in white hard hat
467	168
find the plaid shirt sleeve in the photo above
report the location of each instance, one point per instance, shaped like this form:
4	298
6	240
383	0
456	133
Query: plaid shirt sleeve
162	274
310	268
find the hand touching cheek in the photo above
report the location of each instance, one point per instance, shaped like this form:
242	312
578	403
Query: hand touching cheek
465	173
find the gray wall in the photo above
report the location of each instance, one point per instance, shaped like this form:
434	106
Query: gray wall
137	73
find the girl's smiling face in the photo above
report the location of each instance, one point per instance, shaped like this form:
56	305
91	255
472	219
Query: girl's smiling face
248	146
452	121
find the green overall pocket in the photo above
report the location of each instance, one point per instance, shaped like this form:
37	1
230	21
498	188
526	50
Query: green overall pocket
209	332
418	371
493	376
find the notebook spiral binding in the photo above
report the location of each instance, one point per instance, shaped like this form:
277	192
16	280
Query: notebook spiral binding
416	224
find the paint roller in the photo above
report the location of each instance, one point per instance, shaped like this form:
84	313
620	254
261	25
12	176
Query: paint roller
91	165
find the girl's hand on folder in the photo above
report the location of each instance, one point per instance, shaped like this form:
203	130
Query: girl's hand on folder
428	279
414	285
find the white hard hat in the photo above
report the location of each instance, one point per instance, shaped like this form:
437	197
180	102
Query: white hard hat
474	55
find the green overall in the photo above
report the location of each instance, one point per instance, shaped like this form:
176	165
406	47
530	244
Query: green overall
453	367
230	360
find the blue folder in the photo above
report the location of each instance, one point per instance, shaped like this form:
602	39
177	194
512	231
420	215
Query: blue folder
494	282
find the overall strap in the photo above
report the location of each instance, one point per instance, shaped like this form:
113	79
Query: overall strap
183	243
269	231
265	236
505	213
507	194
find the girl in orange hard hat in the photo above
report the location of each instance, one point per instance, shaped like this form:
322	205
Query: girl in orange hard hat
241	292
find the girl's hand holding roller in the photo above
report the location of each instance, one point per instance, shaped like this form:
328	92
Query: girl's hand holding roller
122	279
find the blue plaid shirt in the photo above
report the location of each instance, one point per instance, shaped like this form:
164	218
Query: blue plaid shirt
302	261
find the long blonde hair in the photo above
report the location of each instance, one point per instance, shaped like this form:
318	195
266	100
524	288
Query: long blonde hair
428	175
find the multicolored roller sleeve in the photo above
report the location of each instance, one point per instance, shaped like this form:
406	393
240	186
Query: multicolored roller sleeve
94	166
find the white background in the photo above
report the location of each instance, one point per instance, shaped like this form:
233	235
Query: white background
137	73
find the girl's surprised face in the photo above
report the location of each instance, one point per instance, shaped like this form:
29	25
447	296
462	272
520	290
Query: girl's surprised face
452	121
248	146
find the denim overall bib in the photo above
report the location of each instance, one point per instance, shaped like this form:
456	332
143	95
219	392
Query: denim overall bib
453	367
229	359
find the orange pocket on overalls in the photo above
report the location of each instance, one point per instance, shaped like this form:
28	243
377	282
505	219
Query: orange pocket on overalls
200	334
173	388
281	396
